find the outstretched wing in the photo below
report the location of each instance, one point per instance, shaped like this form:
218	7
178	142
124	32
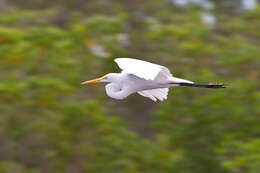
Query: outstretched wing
149	71
143	69
154	94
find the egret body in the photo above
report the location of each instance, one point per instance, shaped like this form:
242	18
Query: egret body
147	79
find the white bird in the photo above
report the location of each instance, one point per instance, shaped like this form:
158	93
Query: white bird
147	79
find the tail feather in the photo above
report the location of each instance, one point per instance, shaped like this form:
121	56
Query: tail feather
209	85
179	80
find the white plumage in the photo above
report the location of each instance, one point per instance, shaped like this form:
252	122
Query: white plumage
154	94
147	71
140	68
147	79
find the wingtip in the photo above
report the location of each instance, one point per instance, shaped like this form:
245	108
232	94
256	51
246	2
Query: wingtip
116	59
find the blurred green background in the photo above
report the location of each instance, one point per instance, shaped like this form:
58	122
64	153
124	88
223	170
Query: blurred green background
49	123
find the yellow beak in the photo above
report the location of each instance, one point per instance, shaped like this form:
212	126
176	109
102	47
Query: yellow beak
93	81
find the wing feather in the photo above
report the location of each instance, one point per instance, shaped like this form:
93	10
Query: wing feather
149	71
143	69
154	94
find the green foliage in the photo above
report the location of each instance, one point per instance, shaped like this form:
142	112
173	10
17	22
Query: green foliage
49	123
238	155
8	167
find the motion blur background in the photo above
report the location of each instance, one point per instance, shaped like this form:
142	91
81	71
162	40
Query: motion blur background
50	123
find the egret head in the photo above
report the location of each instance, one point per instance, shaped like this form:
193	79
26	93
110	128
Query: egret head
110	77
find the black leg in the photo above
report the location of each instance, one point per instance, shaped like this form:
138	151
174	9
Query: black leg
209	85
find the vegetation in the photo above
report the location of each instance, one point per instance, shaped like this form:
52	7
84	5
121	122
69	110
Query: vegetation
49	123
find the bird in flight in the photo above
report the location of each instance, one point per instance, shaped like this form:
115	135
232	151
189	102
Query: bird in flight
147	79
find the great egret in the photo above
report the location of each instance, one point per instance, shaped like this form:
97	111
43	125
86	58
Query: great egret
147	79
